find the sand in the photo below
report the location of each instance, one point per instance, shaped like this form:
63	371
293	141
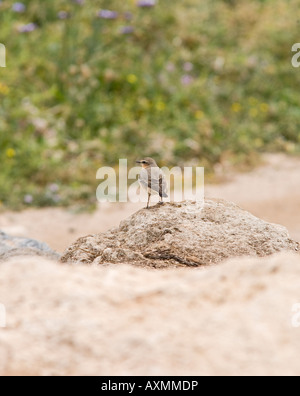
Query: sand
235	318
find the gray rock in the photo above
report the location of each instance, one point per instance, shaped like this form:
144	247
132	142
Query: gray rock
16	246
183	234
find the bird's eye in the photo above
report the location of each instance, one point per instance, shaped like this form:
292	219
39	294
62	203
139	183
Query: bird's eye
144	162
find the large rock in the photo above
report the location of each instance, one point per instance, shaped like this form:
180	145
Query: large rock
183	235
11	246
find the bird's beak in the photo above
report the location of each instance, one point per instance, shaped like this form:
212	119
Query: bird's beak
138	162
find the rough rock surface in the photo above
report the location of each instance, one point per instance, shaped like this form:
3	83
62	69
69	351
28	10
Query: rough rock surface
15	246
237	318
183	235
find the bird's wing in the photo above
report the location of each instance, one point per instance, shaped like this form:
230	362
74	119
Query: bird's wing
154	179
163	187
149	179
157	181
143	178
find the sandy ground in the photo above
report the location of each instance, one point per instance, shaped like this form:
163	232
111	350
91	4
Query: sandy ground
270	192
241	317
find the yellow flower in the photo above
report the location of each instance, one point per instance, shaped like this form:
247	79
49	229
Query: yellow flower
132	78
144	102
253	113
160	106
4	89
264	107
199	115
10	153
252	101
236	107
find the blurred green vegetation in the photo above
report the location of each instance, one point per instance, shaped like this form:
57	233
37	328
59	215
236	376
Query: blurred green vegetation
196	82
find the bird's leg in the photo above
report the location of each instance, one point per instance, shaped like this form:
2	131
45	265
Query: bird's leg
149	196
161	202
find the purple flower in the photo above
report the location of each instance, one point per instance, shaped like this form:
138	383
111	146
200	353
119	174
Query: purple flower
63	15
146	3
170	67
53	188
188	67
126	30
18	7
128	16
30	27
28	199
186	80
107	14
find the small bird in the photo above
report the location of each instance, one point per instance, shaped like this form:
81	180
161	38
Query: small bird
152	179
